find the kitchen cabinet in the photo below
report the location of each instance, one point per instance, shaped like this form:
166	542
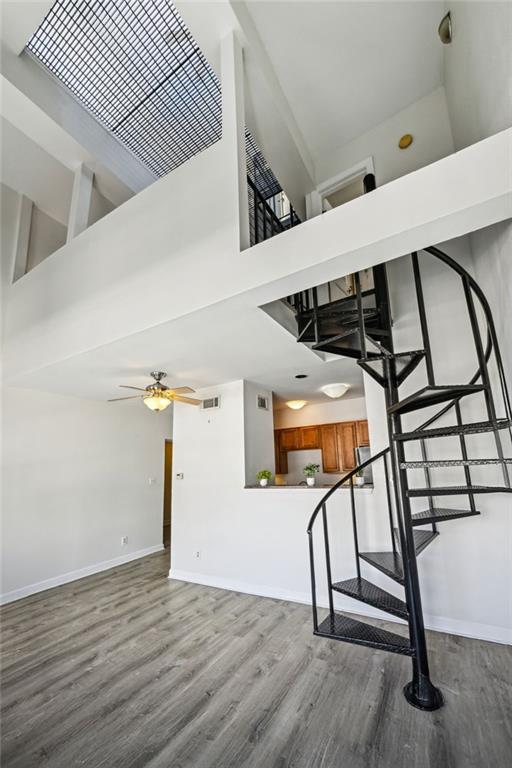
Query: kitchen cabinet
363	437
336	441
290	439
309	438
281	457
346	431
329	446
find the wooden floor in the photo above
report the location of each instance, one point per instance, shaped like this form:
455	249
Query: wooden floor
128	669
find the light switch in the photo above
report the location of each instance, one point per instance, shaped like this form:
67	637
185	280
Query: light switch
179	475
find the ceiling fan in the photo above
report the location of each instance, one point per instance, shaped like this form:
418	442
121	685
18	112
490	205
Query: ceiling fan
158	396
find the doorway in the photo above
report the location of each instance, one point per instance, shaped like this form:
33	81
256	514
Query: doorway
166	536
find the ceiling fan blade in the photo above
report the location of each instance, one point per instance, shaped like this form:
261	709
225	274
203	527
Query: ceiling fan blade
181	390
132	397
127	386
189	400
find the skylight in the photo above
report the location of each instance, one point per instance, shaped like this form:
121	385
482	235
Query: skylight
135	66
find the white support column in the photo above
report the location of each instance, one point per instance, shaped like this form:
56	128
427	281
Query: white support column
80	201
24	222
233	125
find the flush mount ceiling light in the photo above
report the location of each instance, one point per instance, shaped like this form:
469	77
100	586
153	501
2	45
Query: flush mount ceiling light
296	405
335	390
405	141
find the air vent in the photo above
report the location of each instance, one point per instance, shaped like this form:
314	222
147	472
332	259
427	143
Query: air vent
211	402
263	402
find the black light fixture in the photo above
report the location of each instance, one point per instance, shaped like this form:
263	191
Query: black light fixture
444	29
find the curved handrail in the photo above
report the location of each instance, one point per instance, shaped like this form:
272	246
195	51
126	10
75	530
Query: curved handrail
341	482
491	329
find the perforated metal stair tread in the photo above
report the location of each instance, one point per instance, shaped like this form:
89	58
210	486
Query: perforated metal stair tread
421	539
366	592
393	355
343	628
440	515
455	429
457	490
389	563
433	395
452	463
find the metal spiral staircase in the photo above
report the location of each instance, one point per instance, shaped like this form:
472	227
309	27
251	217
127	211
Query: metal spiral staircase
360	326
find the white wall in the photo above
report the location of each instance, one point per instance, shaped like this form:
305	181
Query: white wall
329	412
478	70
46	236
258	432
75	480
428	122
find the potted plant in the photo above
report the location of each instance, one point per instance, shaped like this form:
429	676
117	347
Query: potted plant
264	475
360	478
310	471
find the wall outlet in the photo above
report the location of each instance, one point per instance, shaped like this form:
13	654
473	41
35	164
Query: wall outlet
197	554
124	540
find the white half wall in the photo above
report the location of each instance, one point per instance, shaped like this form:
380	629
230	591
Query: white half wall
76	478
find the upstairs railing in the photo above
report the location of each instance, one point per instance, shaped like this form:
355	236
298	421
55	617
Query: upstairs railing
263	221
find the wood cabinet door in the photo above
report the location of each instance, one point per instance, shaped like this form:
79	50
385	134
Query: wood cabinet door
347	444
309	438
280	455
290	439
329	446
363	438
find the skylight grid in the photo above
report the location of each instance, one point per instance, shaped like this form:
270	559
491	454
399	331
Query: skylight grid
135	66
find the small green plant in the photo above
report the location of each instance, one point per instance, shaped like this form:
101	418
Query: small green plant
310	470
359	473
264	474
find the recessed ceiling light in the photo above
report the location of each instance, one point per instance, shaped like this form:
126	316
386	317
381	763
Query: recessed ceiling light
301	376
335	390
296	405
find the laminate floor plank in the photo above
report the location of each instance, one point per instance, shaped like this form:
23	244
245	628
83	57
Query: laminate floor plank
126	669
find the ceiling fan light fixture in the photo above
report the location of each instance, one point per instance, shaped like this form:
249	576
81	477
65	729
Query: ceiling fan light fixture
335	390
296	405
156	402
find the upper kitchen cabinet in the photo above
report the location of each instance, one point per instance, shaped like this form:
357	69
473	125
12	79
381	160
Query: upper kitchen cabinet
363	437
290	439
347	435
309	438
329	446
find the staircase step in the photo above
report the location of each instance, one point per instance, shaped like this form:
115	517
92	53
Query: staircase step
369	593
457	490
440	515
333	339
421	539
339	627
389	563
451	463
456	429
433	395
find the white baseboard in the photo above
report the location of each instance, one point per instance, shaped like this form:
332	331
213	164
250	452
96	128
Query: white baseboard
65	578
474	630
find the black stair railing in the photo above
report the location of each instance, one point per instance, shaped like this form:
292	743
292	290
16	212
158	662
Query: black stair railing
402	566
263	221
322	507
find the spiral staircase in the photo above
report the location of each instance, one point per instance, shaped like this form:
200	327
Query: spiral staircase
359	326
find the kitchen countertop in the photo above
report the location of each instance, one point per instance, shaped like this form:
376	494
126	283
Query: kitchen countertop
319	487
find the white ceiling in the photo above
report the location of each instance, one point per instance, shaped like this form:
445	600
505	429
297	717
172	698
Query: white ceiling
345	67
224	342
